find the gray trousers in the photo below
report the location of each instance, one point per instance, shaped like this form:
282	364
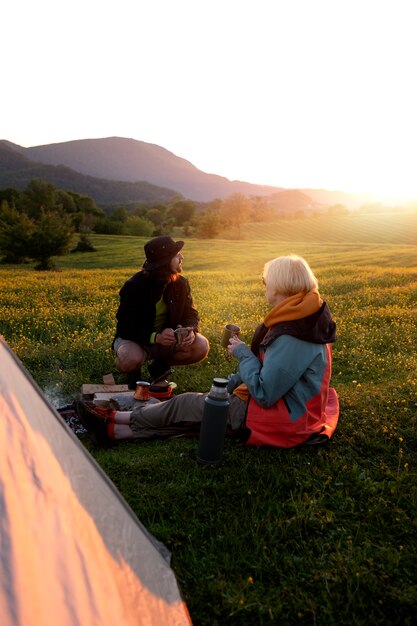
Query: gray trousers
181	414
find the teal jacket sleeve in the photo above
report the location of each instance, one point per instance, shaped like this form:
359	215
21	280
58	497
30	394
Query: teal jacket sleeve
285	362
234	381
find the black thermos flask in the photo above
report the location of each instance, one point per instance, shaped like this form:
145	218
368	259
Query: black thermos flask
213	425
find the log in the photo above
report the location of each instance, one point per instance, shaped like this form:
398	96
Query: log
88	389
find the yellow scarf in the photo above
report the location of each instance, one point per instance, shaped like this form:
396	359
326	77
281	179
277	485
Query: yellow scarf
301	304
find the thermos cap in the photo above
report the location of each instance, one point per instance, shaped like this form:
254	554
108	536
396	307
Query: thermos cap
220	382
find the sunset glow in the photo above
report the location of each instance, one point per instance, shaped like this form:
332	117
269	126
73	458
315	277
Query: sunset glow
293	94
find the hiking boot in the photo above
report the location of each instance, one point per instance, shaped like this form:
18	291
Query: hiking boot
158	370
105	412
95	420
133	377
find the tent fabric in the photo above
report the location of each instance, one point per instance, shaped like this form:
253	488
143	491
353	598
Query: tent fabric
72	551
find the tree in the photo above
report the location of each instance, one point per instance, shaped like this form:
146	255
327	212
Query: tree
86	205
39	222
107	226
161	218
236	211
259	209
182	211
52	237
10	195
85	229
65	201
37	197
119	215
208	225
16	230
84	244
139	226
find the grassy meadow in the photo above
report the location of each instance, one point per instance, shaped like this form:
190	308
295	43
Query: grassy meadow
309	536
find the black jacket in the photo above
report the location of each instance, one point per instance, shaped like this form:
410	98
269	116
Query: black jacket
138	297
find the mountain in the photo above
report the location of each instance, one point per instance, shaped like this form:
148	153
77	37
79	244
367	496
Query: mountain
16	170
116	170
129	160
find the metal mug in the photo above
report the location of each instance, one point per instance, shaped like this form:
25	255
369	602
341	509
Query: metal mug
229	330
142	390
180	334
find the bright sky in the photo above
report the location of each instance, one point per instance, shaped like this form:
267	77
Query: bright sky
292	93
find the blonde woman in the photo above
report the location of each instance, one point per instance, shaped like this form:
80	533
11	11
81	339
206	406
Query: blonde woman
285	376
279	396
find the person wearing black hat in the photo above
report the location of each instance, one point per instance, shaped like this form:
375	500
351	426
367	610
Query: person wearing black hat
153	304
280	394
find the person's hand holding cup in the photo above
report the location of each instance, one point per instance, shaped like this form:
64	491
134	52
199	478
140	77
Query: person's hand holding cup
165	337
233	342
230	330
184	336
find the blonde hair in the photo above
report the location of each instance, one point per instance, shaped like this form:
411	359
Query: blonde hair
288	275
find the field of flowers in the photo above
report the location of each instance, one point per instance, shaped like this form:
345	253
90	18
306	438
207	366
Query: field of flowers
61	324
327	536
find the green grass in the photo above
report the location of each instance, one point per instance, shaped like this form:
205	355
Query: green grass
399	228
310	536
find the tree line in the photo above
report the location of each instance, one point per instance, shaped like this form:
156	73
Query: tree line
40	221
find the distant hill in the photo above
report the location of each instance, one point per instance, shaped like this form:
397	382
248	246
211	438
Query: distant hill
16	170
129	160
291	200
119	170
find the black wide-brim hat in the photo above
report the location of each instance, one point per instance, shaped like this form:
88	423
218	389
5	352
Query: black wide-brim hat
159	251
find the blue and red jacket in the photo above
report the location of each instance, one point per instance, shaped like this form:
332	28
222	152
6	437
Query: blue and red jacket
287	372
